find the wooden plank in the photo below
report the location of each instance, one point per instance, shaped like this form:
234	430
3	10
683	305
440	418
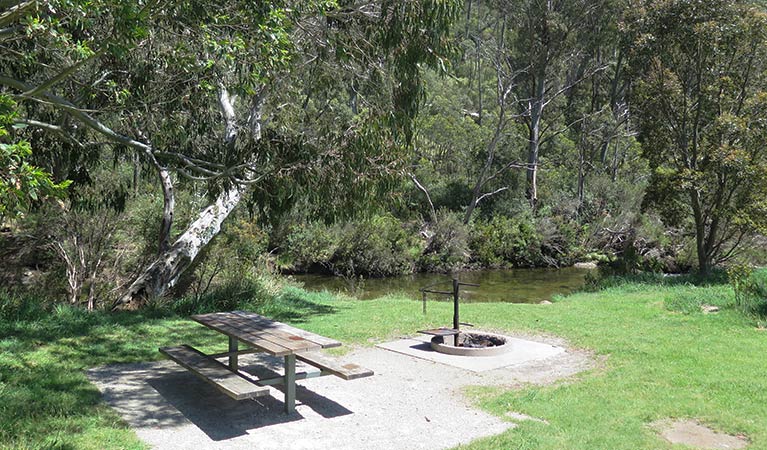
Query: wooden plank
249	331
231	383
345	371
216	322
311	337
291	341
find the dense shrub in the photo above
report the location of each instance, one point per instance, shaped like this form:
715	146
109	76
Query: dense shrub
310	247
448	246
505	242
559	240
247	293
235	255
376	247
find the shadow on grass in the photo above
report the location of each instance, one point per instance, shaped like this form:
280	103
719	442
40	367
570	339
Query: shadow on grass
296	305
43	388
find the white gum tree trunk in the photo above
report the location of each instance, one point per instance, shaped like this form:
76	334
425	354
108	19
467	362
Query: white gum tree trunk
164	272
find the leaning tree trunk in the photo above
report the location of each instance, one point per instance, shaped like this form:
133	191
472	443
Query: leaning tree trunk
171	263
165	271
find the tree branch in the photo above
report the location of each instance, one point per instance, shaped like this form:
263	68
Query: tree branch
423	189
488	194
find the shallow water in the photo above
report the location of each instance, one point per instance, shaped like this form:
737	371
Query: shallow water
511	286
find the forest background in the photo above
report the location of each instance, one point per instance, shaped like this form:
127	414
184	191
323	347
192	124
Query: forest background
164	149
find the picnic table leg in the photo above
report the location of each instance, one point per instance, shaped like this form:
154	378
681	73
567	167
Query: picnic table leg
290	383
233	347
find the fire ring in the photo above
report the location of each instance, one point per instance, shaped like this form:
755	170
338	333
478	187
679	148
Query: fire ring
475	343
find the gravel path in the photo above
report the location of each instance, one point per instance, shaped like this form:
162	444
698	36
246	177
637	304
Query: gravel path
410	403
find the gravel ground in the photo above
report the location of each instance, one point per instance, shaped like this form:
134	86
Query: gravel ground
409	403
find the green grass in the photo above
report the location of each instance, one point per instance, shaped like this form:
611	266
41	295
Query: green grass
660	358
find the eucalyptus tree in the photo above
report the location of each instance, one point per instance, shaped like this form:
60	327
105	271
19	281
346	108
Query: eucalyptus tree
701	97
230	95
21	183
546	41
531	56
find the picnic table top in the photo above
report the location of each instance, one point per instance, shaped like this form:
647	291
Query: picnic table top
275	338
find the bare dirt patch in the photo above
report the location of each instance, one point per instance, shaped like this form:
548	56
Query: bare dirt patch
692	433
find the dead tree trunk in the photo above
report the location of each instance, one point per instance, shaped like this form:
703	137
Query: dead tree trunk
536	116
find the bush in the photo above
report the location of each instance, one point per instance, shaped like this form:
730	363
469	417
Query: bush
248	293
310	247
558	239
376	247
234	255
505	242
448	247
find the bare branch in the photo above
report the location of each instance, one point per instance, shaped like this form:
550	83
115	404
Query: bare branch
488	194
575	83
16	12
423	189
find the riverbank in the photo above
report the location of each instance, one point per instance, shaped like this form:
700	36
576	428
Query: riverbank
656	364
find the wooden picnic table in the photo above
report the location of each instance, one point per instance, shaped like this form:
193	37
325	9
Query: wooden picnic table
260	334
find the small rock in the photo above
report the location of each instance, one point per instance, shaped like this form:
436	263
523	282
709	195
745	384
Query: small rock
693	434
545	302
585	265
708	309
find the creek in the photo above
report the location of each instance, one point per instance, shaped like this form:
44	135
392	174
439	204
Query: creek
511	286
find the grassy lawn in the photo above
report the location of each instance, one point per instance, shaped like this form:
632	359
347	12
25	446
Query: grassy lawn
657	363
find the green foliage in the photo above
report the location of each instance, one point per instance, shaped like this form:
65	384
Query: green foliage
246	293
448	247
505	242
21	183
376	247
708	159
234	267
311	244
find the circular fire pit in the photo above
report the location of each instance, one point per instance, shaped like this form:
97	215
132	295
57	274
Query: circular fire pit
476	343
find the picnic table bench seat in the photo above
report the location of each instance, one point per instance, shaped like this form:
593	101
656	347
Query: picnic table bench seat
345	371
214	372
260	334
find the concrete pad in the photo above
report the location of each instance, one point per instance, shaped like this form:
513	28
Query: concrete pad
522	351
408	404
